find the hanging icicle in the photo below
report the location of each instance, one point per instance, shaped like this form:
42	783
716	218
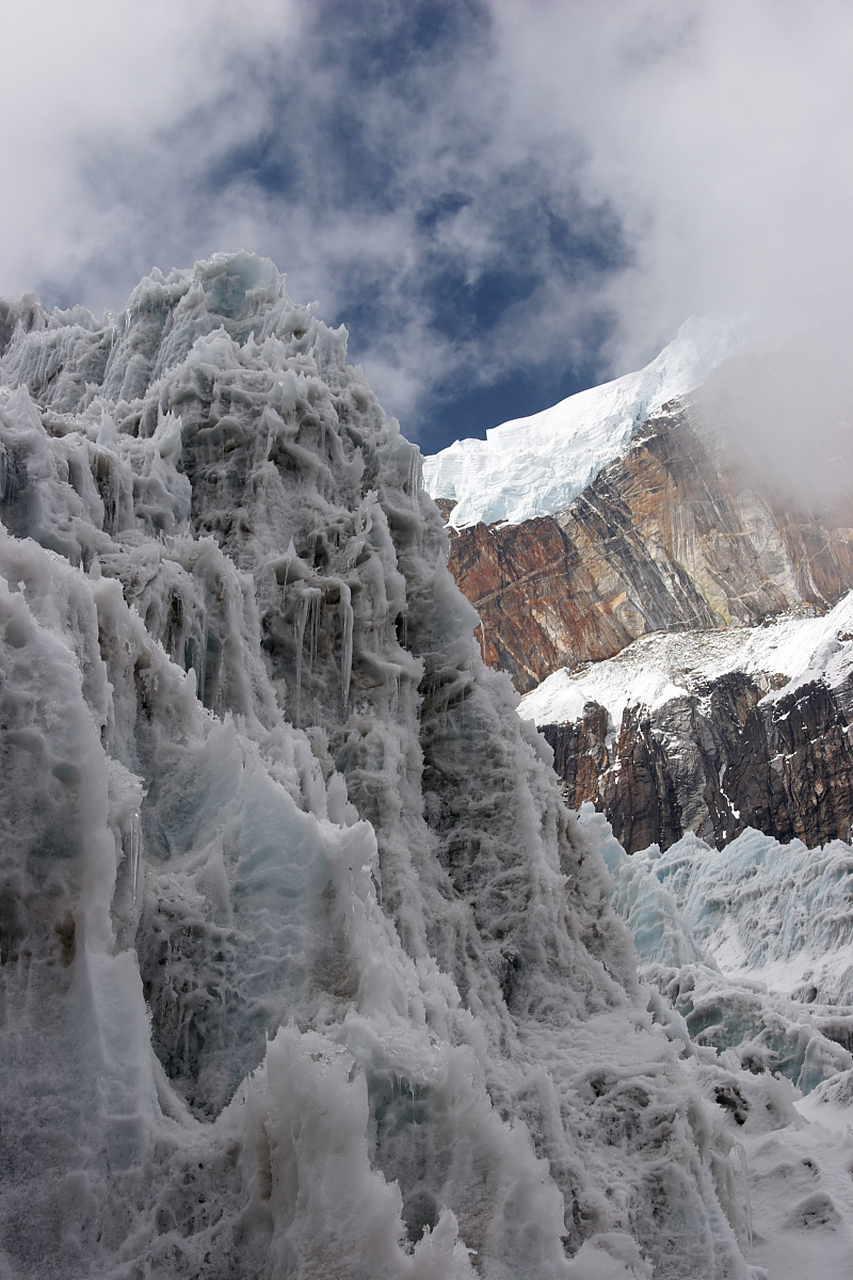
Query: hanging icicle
346	641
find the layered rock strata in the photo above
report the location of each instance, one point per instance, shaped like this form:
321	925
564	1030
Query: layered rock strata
667	537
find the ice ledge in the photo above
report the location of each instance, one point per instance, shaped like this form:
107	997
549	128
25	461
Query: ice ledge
655	668
538	465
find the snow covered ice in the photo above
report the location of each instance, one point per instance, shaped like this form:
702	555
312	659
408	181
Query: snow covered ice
749	951
537	466
782	655
306	971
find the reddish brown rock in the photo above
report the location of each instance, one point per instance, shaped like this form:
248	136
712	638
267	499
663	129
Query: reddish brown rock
664	538
669	537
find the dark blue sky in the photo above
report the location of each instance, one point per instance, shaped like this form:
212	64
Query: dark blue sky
359	148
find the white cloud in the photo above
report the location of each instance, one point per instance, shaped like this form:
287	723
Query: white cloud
86	83
714	134
720	131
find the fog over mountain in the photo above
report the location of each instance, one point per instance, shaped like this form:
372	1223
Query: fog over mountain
307	971
785	413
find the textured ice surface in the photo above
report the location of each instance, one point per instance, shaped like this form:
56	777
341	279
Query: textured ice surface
786	653
752	944
777	913
537	466
306	972
747	955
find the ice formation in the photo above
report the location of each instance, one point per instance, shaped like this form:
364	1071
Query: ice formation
537	466
748	952
306	972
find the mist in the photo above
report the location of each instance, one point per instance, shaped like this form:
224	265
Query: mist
784	415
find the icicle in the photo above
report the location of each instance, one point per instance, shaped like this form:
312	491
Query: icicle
314	601
747	1204
288	559
201	659
308	619
346	641
135	848
414	481
481	627
300	640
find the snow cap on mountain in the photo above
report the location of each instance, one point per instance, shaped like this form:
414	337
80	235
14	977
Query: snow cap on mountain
538	465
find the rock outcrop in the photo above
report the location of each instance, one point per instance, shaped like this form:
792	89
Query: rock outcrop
671	537
667	537
716	762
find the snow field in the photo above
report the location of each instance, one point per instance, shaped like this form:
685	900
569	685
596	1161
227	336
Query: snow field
789	651
747	954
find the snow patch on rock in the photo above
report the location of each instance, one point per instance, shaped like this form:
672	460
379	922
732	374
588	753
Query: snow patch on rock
784	653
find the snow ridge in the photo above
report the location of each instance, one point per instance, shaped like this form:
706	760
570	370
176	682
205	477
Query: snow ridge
537	466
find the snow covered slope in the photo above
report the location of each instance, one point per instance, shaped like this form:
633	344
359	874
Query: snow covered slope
538	465
712	732
306	972
657	668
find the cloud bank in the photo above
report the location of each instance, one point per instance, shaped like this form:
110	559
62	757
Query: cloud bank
503	202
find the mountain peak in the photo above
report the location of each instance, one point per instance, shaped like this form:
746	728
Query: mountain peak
538	465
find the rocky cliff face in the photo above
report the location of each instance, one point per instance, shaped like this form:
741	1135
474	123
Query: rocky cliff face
667	537
670	537
715	764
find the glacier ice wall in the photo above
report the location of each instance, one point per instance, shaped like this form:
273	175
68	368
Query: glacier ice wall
777	912
306	972
746	952
751	946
